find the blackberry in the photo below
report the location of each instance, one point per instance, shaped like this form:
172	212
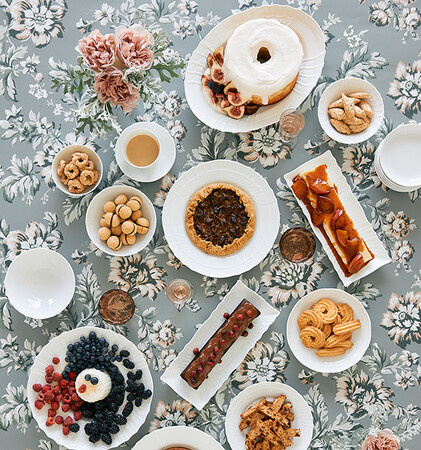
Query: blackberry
119	378
109	417
120	420
131	376
103	427
89	428
140	389
88	413
114	429
128	364
113	407
124	353
138	374
127	410
138	401
74	427
131	386
94	437
106	438
131	397
118	389
147	394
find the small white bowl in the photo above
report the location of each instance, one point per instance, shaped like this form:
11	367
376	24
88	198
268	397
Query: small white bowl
331	364
96	210
40	283
66	154
347	86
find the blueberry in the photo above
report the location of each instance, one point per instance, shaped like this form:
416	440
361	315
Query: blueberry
147	394
114	348
70	347
127	410
74	427
87	377
118	358
92	335
101	341
94	380
82	339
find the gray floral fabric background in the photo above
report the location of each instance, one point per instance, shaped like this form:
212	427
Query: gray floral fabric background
378	41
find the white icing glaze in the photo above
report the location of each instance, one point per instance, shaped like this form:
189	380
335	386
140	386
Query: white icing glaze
250	76
94	392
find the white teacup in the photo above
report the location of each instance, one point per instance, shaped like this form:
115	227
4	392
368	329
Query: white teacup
133	134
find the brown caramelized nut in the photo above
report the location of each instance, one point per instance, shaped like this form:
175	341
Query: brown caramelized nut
325	204
320	187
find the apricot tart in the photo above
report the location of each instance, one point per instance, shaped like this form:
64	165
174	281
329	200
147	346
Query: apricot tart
220	219
315	189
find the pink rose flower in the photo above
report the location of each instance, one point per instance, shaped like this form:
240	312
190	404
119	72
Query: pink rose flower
111	87
132	47
98	50
384	440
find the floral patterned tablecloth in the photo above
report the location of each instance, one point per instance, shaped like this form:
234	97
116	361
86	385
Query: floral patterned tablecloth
378	41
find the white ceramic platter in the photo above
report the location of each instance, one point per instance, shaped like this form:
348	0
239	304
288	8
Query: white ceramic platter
355	212
312	40
58	347
307	356
176	437
303	418
267	218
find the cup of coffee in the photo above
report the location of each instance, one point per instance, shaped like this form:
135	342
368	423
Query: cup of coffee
141	149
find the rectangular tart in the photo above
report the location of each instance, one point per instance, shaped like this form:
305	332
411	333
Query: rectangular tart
319	194
212	352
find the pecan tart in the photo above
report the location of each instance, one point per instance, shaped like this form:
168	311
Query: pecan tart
220	219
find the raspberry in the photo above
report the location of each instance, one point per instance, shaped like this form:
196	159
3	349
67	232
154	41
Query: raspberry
58	398
64	391
79	403
49	397
74	407
55	406
65	408
78	415
72	383
62	383
49	379
75	397
82	388
50	421
49	370
57	376
51	413
56	360
67	421
66	431
41	397
59	420
67	398
56	390
39	404
72	390
37	387
72	375
46	388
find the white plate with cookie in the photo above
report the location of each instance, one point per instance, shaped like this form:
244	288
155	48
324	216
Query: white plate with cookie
312	40
360	337
302	420
265	205
122	244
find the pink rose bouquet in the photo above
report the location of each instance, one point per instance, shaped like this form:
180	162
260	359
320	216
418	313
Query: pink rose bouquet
97	50
134	47
383	440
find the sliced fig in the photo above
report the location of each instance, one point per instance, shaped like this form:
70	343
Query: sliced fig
352	246
320	187
219	55
316	217
251	108
236	112
205	80
334	219
300	188
230	88
224	103
210	60
216	87
342	236
356	264
214	98
217	74
325	204
236	99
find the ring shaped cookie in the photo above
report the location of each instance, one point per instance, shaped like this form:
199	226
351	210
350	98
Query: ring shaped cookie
345	312
312	337
71	171
309	318
326	309
80	159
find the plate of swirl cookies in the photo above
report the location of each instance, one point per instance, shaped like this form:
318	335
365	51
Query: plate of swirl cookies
120	220
328	330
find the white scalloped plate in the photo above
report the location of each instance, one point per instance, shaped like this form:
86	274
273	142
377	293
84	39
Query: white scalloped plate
303	418
176	437
267	218
58	347
312	40
355	212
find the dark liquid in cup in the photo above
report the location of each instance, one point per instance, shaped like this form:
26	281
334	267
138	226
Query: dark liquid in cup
142	150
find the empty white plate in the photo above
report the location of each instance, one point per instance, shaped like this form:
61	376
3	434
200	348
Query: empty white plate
40	283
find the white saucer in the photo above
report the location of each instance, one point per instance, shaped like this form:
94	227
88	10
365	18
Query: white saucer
166	156
178	436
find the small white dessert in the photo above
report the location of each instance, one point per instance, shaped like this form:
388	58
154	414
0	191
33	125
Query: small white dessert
89	389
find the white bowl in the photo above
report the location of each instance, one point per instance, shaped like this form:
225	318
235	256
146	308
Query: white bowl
347	86
331	364
39	283
96	210
66	154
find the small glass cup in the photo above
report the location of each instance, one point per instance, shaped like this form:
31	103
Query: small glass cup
180	291
290	124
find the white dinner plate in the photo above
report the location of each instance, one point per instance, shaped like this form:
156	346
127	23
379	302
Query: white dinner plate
303	418
267	218
312	40
166	154
307	356
58	347
167	437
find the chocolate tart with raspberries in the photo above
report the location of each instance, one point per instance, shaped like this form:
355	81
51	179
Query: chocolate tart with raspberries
220	219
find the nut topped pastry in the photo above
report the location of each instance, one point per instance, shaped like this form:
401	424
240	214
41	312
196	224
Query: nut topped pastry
220	219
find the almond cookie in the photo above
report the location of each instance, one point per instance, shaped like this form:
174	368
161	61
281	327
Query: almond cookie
114	243
309	318
135	203
367	109
326	309
104	233
123	211
337	113
109	207
128	240
142	225
340	126
112	219
128	227
347	327
312	337
116	230
120	199
136	215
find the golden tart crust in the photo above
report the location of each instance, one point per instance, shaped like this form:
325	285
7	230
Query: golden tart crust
247	229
